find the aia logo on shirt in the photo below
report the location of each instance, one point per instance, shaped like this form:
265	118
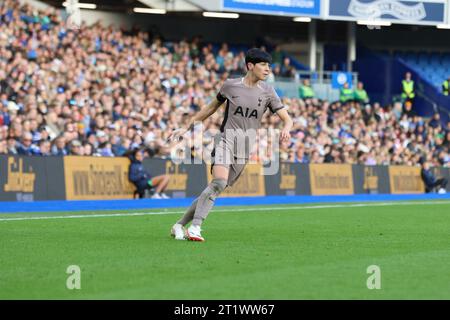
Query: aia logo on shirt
245	112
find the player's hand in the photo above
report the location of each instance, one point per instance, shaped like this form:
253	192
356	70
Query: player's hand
285	135
176	134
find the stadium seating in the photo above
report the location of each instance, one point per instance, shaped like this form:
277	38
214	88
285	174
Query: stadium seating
435	67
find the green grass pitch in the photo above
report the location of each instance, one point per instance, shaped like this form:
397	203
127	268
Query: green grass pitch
271	252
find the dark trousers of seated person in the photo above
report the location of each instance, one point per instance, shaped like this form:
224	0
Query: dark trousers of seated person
141	191
439	183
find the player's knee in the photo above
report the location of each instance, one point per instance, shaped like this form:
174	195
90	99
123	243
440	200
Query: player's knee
218	185
214	189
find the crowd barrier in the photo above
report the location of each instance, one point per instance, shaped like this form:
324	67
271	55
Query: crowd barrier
93	178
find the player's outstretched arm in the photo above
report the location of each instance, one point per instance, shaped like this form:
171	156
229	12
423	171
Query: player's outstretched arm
202	115
287	120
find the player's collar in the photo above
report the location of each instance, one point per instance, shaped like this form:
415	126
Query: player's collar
258	84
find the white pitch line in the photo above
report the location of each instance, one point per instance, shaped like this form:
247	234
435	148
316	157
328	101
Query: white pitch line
228	210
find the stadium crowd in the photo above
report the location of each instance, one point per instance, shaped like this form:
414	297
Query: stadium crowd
102	91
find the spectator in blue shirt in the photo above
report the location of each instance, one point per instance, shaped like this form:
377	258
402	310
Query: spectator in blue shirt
26	146
143	180
44	148
59	147
430	181
435	121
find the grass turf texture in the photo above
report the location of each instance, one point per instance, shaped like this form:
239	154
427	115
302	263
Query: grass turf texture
270	254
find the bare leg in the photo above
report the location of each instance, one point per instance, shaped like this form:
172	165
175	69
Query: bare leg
160	183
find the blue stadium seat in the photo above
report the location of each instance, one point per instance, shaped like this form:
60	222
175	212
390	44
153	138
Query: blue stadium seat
434	66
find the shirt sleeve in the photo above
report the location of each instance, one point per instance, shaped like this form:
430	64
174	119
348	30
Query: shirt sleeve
275	103
222	95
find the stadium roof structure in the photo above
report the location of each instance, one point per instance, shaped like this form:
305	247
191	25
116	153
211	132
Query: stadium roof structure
375	12
128	5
